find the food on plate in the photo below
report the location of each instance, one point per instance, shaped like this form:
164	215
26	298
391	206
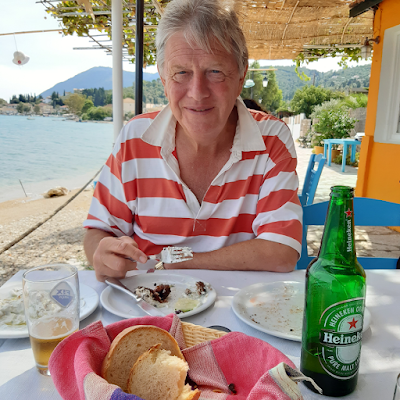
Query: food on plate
164	295
157	375
12	308
12	312
154	296
128	346
185	304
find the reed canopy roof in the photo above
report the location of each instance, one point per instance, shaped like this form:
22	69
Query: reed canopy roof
278	29
274	29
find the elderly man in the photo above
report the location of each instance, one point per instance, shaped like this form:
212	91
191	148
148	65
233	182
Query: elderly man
205	172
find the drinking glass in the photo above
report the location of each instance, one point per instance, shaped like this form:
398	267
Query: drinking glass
396	395
51	299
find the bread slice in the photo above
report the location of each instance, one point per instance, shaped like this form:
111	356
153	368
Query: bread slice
128	346
157	375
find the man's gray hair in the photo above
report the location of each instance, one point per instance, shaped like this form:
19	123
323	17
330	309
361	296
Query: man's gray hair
201	21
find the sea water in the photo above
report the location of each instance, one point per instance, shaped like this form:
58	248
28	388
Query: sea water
46	152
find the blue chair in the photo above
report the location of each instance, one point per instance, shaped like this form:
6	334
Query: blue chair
367	212
311	180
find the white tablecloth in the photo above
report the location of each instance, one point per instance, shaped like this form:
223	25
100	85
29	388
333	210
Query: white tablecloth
380	355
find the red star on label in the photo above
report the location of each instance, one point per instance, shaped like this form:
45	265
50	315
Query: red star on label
353	323
348	212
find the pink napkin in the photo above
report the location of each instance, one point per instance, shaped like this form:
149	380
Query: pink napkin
233	367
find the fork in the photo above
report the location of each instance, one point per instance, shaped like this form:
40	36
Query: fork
171	255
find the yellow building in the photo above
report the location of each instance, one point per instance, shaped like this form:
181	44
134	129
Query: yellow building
379	166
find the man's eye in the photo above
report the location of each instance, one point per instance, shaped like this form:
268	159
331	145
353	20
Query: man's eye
216	71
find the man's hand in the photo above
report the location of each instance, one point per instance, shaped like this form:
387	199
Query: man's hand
112	256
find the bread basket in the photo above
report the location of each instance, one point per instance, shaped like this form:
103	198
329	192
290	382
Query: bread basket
195	334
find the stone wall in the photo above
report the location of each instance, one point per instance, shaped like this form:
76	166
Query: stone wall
361	115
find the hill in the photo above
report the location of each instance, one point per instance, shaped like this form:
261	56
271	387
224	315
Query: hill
96	77
354	77
288	81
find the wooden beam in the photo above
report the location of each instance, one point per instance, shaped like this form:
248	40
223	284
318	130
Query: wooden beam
363	7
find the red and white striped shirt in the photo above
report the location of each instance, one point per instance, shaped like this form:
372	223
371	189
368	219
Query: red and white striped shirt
140	194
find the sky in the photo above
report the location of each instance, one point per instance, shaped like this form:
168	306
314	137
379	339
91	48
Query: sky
52	57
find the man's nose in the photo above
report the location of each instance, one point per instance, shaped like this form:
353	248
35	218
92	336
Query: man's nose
199	87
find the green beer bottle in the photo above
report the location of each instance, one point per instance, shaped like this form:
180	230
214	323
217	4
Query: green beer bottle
334	303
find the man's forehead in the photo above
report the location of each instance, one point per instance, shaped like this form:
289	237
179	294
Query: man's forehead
178	46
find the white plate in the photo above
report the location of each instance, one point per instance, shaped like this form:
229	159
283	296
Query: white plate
89	302
121	304
275	308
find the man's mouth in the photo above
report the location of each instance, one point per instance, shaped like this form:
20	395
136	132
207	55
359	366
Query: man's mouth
199	109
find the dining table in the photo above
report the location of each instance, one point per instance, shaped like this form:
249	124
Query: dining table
380	353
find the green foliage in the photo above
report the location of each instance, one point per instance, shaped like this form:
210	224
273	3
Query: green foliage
310	55
23	98
2	102
307	97
342	80
356	100
153	92
80	24
75	103
36	109
87	105
271	96
20	107
56	100
333	124
331	105
339	158
98	96
97	113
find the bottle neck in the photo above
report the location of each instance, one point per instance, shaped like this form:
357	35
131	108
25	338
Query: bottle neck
338	238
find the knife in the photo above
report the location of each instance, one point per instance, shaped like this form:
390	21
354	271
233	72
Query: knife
146	307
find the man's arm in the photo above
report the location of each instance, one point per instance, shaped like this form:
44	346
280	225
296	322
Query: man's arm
109	254
250	255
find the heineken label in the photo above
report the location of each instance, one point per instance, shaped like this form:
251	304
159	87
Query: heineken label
340	338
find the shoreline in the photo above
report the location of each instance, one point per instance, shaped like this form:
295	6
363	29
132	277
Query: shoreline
37	190
59	239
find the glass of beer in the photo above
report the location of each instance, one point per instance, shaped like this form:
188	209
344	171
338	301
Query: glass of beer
51	299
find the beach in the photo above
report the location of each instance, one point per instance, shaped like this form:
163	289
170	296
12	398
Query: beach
57	240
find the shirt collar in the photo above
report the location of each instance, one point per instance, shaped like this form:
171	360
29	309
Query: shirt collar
161	131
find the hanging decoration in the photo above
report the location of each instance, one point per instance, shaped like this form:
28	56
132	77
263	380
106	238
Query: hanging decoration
20	58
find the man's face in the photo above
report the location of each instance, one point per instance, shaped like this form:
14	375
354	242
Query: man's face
201	87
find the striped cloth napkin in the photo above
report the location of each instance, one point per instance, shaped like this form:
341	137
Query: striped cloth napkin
233	367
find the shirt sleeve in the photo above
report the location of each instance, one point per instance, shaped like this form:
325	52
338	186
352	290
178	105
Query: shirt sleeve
109	210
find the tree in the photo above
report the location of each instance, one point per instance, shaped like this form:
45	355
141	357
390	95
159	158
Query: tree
2	102
270	96
87	106
20	107
75	103
36	109
309	96
98	113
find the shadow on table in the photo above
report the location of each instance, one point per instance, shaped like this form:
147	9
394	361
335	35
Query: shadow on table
16	388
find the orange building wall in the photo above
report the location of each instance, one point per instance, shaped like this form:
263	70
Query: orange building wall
379	165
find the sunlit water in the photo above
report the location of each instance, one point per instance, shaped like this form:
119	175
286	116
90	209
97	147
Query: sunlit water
46	152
